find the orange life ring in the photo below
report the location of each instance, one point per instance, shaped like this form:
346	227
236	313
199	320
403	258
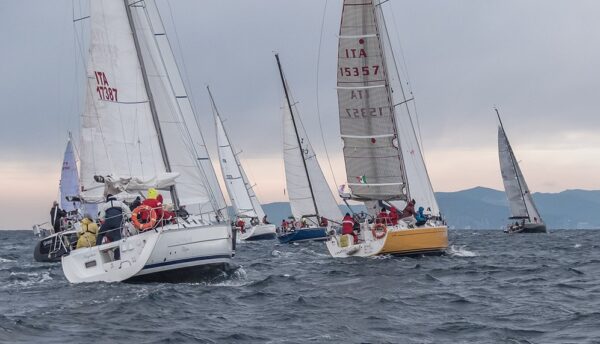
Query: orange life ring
153	218
379	230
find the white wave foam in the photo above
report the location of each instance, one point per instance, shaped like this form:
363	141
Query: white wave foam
461	251
4	260
577	245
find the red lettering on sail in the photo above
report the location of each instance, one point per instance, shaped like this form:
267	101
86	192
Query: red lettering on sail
105	92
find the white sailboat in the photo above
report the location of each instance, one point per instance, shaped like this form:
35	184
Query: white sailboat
139	131
522	208
54	245
384	164
246	206
311	200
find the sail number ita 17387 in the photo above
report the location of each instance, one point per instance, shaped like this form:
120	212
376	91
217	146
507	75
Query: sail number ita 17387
105	92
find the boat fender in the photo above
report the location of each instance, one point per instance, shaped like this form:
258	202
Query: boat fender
149	224
379	230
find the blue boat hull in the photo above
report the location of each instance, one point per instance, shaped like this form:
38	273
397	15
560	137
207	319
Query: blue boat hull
307	234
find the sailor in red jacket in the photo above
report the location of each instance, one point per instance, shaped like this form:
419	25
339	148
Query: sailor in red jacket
383	217
153	202
241	224
394	216
348	226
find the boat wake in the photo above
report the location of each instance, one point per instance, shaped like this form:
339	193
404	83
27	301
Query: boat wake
461	251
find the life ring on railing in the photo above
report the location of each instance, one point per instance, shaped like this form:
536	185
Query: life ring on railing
152	218
379	230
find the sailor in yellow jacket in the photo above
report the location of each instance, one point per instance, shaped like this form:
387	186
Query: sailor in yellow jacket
87	233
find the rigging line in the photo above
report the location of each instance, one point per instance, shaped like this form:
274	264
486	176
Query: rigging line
317	91
405	71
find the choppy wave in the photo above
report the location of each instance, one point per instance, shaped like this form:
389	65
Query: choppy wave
488	288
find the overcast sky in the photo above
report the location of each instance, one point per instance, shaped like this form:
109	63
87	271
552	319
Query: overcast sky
539	61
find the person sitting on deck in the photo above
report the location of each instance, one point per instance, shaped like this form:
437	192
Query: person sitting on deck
87	233
241	225
420	217
394	216
265	221
152	200
323	222
383	217
348	227
408	214
284	225
168	215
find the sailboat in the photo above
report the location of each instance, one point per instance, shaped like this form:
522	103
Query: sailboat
54	245
312	203
522	208
381	167
139	131
246	206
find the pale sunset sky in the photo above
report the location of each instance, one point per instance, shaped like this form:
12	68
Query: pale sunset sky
537	60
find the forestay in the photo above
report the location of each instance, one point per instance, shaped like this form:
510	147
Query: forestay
118	136
243	198
69	179
197	184
374	166
519	197
299	178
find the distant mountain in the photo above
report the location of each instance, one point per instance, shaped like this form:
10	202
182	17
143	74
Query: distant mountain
484	208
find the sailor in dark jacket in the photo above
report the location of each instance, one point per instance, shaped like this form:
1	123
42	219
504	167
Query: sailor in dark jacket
56	214
112	215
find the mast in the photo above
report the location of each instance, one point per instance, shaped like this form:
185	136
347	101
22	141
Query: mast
514	163
155	119
289	103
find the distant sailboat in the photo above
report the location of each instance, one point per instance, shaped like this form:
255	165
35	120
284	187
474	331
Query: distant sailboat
312	203
50	249
138	131
520	200
381	167
243	198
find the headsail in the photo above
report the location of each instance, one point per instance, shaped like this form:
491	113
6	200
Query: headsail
374	165
243	197
519	197
69	179
307	188
198	187
118	136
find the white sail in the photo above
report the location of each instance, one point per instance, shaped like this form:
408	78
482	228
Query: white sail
243	198
300	178
118	135
69	179
374	165
197	185
519	197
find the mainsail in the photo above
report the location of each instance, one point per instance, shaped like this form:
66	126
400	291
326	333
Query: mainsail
374	165
69	179
307	188
241	193
519	197
139	121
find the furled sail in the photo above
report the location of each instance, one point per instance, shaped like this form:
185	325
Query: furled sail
374	166
519	197
118	135
243	198
69	179
300	178
197	185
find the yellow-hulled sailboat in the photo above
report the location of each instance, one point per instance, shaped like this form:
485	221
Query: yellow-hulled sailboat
384	162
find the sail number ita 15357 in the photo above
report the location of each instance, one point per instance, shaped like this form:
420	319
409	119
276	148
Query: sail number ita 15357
105	92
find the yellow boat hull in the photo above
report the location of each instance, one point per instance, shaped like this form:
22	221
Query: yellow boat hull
416	241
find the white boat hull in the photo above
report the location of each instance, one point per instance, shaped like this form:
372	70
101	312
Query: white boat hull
260	232
169	254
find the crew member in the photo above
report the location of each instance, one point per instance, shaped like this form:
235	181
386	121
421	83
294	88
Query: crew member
241	224
87	233
394	216
56	215
348	227
112	214
420	217
155	202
